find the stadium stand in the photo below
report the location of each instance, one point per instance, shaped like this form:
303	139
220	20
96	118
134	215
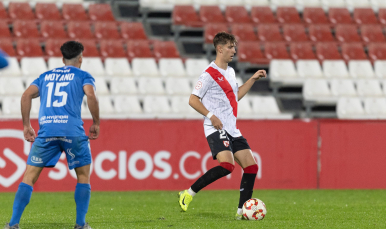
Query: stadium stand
211	14
261	14
52	29
74	12
47	11
237	14
300	42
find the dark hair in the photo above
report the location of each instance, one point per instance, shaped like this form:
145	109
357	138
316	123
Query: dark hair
71	49
222	38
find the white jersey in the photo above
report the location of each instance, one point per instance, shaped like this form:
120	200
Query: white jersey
218	90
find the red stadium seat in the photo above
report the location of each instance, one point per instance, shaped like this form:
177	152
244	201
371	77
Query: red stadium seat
52	47
7	46
244	32
294	32
365	16
327	51
28	47
90	48
133	30
210	30
237	14
276	50
165	49
3	12
106	30
347	33
20	10
138	48
185	15
382	15
288	15
47	11
377	51
52	29
339	16
250	52
112	48
372	33
314	16
25	29
262	15
4	29
320	33
211	14
269	32
100	12
353	51
74	12
79	29
302	51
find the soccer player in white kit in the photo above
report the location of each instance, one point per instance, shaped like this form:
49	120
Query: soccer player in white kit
215	96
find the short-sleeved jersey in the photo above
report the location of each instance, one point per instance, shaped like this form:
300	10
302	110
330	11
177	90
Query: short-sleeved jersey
61	96
218	90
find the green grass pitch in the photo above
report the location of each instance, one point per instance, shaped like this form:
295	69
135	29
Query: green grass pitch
209	209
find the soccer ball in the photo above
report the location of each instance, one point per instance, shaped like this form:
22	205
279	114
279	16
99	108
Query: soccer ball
254	209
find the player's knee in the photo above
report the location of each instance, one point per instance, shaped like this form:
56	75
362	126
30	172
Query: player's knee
228	166
252	169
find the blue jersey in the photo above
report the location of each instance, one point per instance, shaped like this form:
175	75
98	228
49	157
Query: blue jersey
61	96
3	59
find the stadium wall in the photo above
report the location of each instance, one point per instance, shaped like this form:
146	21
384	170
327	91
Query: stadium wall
171	154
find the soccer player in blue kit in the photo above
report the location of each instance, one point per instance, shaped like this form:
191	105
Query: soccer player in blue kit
61	92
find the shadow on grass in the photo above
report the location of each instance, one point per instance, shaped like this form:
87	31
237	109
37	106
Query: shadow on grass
47	225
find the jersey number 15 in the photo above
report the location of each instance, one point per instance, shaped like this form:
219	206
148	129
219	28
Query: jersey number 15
56	103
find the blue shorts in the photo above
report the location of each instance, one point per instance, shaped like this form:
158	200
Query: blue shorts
46	151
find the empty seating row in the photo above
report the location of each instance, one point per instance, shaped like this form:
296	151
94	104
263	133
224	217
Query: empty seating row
321	91
115	85
252	51
139	67
75	29
284	71
107	48
187	15
358	108
298	32
168	4
162	107
48	11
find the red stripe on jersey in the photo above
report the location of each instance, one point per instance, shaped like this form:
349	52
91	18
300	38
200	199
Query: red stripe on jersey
225	86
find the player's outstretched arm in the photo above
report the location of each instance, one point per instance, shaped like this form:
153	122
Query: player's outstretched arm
194	101
26	101
247	85
93	105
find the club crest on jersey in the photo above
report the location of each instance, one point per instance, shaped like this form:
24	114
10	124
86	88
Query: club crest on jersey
226	143
198	85
220	79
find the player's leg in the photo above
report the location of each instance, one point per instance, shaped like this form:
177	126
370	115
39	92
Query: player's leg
82	194
43	153
222	151
24	192
225	158
246	160
78	154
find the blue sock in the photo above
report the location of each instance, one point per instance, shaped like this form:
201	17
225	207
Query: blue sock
22	198
82	200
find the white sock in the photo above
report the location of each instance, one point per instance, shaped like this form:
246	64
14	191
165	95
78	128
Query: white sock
191	192
239	211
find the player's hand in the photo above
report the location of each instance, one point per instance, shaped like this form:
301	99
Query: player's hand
94	132
259	74
216	122
29	134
